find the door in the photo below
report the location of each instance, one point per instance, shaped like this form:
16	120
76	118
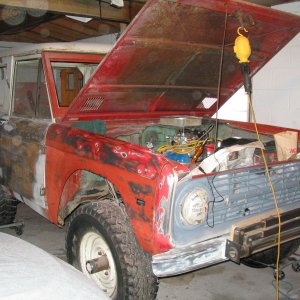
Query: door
22	137
71	84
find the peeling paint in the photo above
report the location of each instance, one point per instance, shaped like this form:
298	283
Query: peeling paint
139	189
146	83
21	157
189	258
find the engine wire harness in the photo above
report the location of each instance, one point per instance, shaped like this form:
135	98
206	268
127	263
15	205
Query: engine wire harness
188	150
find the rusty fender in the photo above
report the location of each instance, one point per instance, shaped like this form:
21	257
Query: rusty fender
135	171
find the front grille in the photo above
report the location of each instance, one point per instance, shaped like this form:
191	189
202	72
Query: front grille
247	192
235	195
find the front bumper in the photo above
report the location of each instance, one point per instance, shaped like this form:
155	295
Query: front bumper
186	259
260	233
247	237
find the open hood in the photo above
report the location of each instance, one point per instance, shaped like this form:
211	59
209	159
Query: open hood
176	57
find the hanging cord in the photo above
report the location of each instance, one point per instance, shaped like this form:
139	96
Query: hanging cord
274	196
242	49
217	122
220	75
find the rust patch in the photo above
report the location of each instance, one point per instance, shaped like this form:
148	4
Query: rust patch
21	147
126	156
137	214
139	189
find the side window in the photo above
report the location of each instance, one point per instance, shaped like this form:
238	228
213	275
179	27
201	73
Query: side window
4	88
43	108
69	78
30	93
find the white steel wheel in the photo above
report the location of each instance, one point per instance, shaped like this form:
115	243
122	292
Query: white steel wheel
92	246
99	234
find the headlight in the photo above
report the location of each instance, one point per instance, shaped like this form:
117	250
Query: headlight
194	207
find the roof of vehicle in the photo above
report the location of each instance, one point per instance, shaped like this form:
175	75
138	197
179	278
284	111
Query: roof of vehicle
176	57
80	47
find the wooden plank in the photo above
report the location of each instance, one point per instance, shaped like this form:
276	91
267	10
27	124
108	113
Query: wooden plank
28	37
87	8
53	31
76	26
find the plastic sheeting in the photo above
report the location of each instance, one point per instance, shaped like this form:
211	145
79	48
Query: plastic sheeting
28	272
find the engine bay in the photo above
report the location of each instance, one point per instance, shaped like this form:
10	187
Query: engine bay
192	140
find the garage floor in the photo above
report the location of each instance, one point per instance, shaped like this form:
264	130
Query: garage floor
226	281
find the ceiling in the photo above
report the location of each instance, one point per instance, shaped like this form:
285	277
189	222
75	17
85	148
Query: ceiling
48	21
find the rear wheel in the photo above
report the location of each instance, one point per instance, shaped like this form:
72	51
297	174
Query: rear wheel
100	233
8	208
268	257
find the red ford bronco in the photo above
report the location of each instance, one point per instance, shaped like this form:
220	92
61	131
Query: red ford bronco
119	145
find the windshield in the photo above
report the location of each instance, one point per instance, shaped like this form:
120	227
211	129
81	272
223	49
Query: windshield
69	78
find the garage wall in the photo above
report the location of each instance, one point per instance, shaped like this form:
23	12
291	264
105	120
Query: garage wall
7	45
236	108
276	88
108	39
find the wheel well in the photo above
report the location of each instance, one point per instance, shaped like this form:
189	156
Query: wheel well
82	187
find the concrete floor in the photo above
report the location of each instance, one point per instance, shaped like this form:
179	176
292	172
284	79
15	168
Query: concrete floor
226	281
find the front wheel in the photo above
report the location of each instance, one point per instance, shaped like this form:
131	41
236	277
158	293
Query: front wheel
100	233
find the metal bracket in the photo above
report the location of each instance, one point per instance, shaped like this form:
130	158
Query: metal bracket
42	191
233	251
245	20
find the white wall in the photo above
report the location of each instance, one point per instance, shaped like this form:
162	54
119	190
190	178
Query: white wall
236	108
276	88
7	45
109	39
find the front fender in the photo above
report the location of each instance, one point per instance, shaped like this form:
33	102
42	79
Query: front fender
134	171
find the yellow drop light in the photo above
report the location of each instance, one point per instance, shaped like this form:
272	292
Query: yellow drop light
242	48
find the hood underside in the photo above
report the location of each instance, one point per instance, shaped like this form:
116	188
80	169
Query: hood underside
176	57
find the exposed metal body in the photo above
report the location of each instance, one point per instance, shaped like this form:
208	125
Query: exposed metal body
101	142
189	258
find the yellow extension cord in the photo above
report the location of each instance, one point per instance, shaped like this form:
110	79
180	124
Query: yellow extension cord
274	196
182	148
189	147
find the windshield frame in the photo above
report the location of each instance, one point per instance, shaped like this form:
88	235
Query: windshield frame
50	57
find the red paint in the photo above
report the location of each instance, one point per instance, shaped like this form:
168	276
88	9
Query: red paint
48	58
165	64
66	145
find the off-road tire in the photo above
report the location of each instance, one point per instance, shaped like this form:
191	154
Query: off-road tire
135	279
8	207
268	257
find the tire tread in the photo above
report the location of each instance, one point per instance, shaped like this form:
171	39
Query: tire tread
139	281
8	208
